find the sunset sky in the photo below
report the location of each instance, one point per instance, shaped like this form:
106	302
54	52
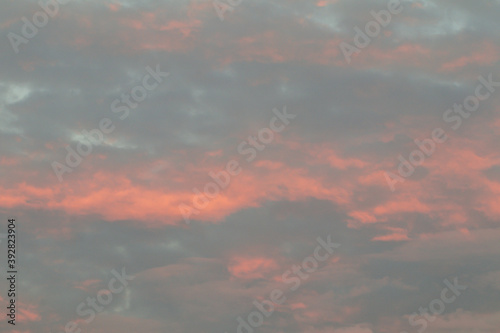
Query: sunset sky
204	146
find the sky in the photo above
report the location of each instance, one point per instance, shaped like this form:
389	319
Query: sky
298	166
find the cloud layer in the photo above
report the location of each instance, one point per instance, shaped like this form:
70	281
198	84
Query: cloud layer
323	174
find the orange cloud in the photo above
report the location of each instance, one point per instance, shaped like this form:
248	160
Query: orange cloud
251	268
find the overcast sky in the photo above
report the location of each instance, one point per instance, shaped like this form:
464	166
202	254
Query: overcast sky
316	120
